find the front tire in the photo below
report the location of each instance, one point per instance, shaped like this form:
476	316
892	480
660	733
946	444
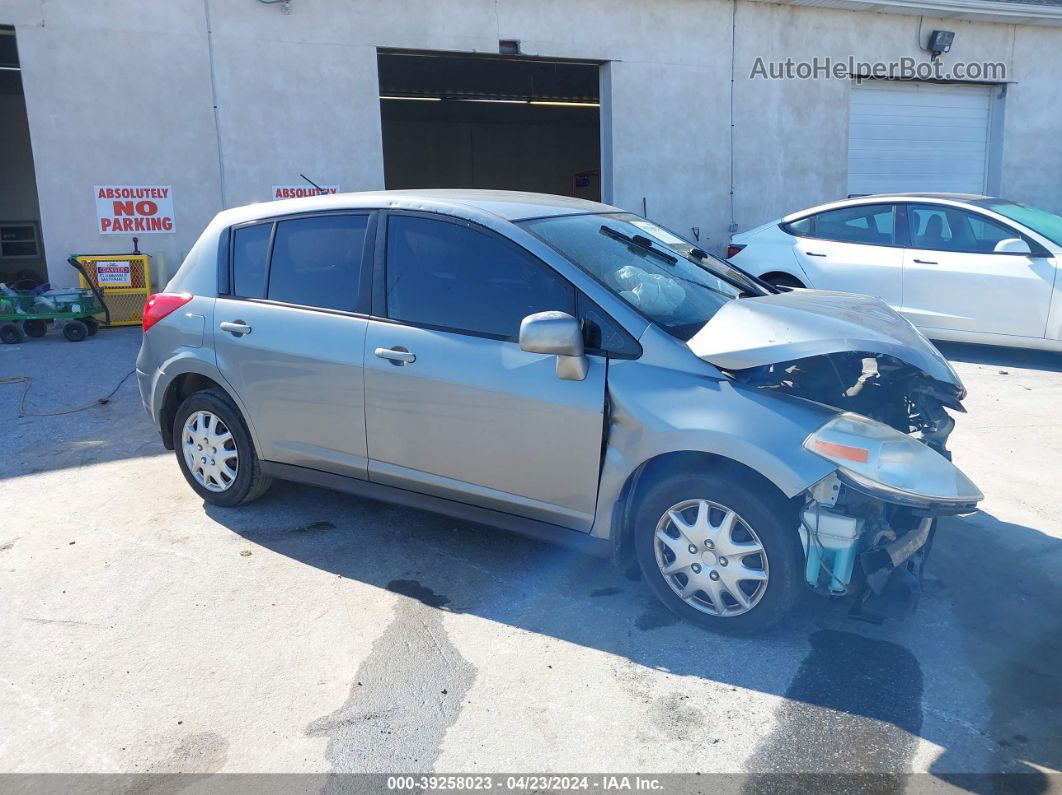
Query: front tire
719	550
215	452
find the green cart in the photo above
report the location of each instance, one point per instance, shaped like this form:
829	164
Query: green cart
25	314
28	313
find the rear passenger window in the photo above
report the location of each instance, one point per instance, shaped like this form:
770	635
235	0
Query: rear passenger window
250	250
452	276
862	223
317	261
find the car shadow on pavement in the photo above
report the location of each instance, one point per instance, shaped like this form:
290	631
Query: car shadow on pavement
999	356
862	683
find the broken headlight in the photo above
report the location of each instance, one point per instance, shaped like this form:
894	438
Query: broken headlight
885	463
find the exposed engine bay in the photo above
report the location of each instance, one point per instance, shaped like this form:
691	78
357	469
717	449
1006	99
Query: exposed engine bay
878	386
857	544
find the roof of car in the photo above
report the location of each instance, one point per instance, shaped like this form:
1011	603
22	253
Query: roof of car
874	198
510	205
920	195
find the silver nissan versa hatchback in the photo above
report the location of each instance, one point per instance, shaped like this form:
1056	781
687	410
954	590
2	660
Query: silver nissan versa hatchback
570	371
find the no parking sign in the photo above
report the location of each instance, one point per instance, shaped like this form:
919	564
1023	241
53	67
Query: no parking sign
142	209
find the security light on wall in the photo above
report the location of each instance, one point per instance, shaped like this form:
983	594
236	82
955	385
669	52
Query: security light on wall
940	42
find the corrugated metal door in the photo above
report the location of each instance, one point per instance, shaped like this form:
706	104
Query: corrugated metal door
907	136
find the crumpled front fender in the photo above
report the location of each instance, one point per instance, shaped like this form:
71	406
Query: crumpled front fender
657	410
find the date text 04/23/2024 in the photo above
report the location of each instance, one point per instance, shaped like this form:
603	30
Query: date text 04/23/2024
524	783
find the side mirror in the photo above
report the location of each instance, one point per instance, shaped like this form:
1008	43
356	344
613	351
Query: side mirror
556	333
1012	245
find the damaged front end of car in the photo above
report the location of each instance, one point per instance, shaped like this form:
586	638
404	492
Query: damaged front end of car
867	548
867	528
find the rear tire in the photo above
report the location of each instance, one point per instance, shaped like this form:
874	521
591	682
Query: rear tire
209	416
75	330
11	334
35	328
92	325
719	561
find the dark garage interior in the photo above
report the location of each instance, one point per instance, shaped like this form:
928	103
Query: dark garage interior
21	249
504	122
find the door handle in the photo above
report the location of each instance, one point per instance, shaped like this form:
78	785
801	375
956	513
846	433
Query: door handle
236	328
814	254
396	355
926	261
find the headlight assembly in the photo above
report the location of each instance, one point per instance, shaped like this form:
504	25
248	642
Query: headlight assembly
880	460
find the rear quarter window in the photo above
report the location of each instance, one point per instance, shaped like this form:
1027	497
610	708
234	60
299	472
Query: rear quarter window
250	255
804	227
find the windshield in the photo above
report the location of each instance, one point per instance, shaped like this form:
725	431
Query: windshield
1040	221
667	279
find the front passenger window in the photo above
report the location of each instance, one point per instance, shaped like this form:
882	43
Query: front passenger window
947	228
448	275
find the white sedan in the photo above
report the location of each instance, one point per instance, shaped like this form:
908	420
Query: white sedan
965	268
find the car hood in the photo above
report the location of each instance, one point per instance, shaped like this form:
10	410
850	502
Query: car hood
770	329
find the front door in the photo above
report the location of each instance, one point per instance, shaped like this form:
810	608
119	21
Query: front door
953	280
290	340
454	407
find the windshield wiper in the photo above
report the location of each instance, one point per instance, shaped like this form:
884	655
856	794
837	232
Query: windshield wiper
639	242
733	274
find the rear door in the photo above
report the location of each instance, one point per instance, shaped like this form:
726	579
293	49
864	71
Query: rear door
953	280
854	249
290	336
454	407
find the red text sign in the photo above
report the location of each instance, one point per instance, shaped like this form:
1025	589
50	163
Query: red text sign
134	209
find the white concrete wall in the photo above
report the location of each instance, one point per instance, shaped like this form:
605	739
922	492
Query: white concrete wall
119	91
791	137
1032	137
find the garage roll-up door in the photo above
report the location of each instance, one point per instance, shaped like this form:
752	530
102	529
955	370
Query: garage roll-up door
907	136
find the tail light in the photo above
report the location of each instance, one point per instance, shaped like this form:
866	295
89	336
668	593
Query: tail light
161	304
734	249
